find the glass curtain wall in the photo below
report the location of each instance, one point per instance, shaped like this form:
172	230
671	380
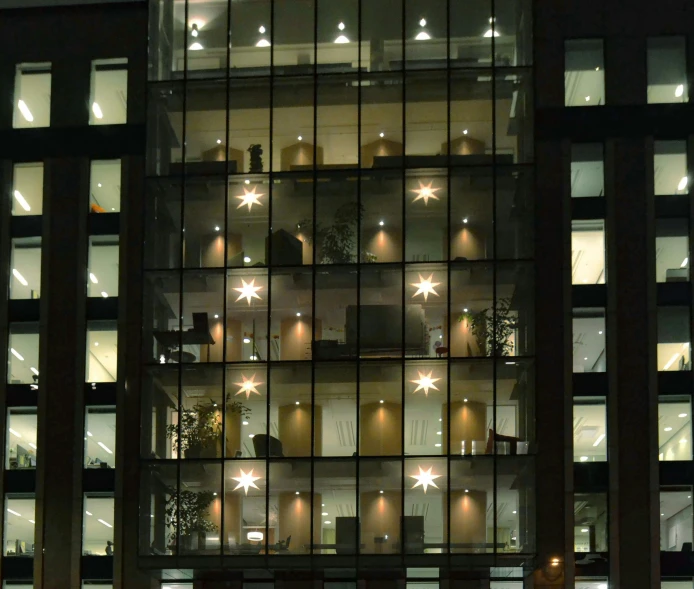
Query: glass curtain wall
339	329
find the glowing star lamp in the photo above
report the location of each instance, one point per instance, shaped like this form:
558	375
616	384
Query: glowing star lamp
341	38
425	382
422	35
250	198
425	287
248	291
425	478
425	193
246	480
247	386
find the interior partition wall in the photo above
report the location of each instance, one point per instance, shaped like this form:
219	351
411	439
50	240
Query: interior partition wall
338	334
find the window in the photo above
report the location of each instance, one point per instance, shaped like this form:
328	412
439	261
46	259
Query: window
97	526
667	70
584	73
674	429
23	359
675	518
590	523
587	170
672	250
589	340
100	437
670	168
588	252
102	351
103	266
674	338
19	525
105	186
26	268
32	96
27	189
590	430
109	93
21	439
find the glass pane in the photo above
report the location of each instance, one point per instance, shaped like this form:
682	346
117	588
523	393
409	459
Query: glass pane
21	439
103	266
472	211
19	525
247	316
667	70
380	409
670	167
109	92
589	340
590	523
674	338
246	411
512	30
32	95
426	118
293	36
674	429
26	268
27	189
472	29
426	45
377	322
159	486
291	412
426	217
380	505
100	438
207	37
588	252
426	394
676	523
102	351
297	523
584	73
245	513
335	412
426	482
97	526
23	358
381	35
672	250
335	494
514	110
250	25
105	186
590	430
293	126
249	130
336	291
471	509
382	222
587	170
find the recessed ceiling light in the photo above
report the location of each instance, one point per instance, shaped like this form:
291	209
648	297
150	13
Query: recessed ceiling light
246	340
98	185
465	220
251	435
585	358
96	343
327	522
296	403
584	530
464	131
244	423
299	137
583	458
465	310
298	314
297	493
438	433
437	445
668	429
381	223
104	294
247	181
381	134
21	200
465	400
683	183
246	260
216	227
216	316
587	98
324	513
514	511
219	141
600	332
682	415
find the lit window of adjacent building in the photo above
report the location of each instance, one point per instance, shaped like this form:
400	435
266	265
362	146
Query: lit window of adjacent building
589	340
667	70
19	525
674	338
584	73
590	430
97	526
674	429
100	437
672	250
25	282
102	351
102	279
23	354
105	186
108	104
675	518
670	168
27	189
590	523
20	443
587	170
588	251
32	96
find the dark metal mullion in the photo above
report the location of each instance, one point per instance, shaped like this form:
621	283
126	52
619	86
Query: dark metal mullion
357	547
447	498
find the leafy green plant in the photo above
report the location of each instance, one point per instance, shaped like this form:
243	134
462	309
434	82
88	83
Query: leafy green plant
187	513
336	243
256	163
493	334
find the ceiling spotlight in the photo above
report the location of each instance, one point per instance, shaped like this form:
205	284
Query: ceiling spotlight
492	32
298	314
246	340
381	134
327	522
583	459
104	294
300	138
262	42
96	343
194	32
584	530
216	227
422	35
219	141
514	512
296	402
600	332
246	181
324	513
465	310
465	220
381	492
585	358
381	223
98	185
296	493
668	429
381	401
464	131
587	98
261	30
244	423
216	316
437	445
682	415
341	38
246	260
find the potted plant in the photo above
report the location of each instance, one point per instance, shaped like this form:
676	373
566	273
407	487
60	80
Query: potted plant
336	243
187	513
493	334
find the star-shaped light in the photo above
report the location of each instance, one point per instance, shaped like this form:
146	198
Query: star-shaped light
425	286
425	478
246	480
425	193
248	386
248	291
425	382
250	198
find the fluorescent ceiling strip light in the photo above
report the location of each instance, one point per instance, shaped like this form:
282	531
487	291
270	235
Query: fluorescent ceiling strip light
14	512
33	445
671	361
108	525
18	275
96	109
93	278
21	200
601	437
24	109
16	354
105	447
36	372
15	433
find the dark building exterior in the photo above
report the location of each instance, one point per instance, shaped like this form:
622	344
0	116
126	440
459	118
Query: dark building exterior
346	293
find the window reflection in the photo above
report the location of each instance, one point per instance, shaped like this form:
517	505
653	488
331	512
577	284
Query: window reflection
590	522
676	522
672	250
19	525
103	266
26	268
584	73
588	252
32	95
589	340
590	430
674	429
587	170
667	70
21	439
27	189
100	437
674	337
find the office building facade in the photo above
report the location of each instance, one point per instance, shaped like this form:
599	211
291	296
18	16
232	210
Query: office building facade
315	293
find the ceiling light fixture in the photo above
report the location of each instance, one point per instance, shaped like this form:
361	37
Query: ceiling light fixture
324	513
341	38
327	522
24	109
88	512
104	294
425	382
682	415
96	344
381	135
492	32
298	314
244	423
33	446
248	291
246	260
683	183
425	192
425	478
381	223
423	35
601	437
249	198
299	137
262	42
464	131
18	275
14	433
671	361
246	480
36	372
246	340
21	200
679	90
255	536
105	447
425	287
96	109
248	386
108	525
93	278
668	429
465	220
587	98
583	459
194	32
684	262
14	512
16	354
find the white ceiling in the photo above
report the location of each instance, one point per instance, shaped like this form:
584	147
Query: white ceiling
23	424
102	355
679	433
587	179
665	93
587	252
28	181
671	253
105	184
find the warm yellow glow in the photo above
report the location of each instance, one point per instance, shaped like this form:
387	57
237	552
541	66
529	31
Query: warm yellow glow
425	478
250	198
246	480
248	291
425	193
247	386
425	286
425	382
